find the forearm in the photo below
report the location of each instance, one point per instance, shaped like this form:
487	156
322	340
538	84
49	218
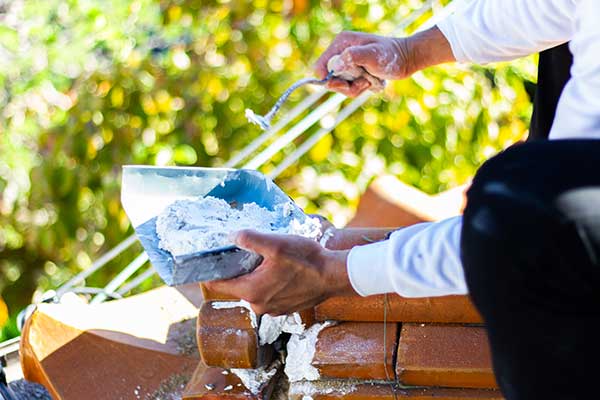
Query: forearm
428	48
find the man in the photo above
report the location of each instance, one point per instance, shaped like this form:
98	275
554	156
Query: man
527	248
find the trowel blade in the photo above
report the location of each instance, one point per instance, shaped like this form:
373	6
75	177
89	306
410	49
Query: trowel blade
146	191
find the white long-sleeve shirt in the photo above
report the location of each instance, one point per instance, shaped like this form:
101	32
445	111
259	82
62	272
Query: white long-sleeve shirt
424	260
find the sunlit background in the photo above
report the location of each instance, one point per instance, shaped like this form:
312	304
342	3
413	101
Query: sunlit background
87	86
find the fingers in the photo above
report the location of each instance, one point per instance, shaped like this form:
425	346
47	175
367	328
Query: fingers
350	89
339	44
320	66
262	243
367	56
249	287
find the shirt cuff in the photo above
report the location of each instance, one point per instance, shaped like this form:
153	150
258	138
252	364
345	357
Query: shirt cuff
366	266
446	26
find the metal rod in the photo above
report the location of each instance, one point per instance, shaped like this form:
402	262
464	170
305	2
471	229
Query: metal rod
285	119
121	277
135	282
296	131
99	263
93	290
264	121
310	142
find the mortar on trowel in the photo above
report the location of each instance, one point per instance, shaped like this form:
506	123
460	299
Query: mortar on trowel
147	191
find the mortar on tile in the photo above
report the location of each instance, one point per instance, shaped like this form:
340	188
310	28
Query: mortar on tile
301	351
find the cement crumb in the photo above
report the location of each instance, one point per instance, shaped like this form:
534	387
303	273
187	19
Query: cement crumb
309	389
272	327
171	389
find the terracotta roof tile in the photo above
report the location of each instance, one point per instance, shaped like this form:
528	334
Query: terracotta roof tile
444	355
356	350
446	309
228	339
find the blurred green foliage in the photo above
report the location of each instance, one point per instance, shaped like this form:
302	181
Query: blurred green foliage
87	86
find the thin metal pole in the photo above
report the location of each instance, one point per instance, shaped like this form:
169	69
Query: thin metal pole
285	119
121	277
99	263
310	142
296	131
135	282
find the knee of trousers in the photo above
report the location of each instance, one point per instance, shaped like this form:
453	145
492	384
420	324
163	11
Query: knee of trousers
518	237
509	190
506	223
512	167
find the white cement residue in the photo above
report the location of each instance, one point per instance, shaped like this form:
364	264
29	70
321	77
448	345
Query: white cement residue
254	379
252	117
309	389
219	305
328	234
311	228
271	327
189	226
300	352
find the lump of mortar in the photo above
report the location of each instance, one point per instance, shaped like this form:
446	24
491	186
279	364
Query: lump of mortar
350	74
189	226
271	327
254	379
300	353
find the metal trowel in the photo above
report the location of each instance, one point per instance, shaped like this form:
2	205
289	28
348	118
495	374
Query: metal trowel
146	191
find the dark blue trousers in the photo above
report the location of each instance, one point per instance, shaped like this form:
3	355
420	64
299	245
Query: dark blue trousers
530	248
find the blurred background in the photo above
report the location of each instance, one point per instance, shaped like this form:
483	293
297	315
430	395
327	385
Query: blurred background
87	86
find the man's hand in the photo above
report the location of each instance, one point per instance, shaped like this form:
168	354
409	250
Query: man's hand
296	273
383	57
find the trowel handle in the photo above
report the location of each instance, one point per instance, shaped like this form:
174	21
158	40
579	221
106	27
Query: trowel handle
354	73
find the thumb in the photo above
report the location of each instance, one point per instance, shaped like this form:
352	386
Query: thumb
261	243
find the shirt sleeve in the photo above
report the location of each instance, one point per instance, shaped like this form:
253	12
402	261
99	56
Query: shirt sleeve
484	31
577	115
421	260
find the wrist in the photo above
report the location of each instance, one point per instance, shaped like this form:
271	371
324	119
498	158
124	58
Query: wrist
404	51
346	238
428	48
335	279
